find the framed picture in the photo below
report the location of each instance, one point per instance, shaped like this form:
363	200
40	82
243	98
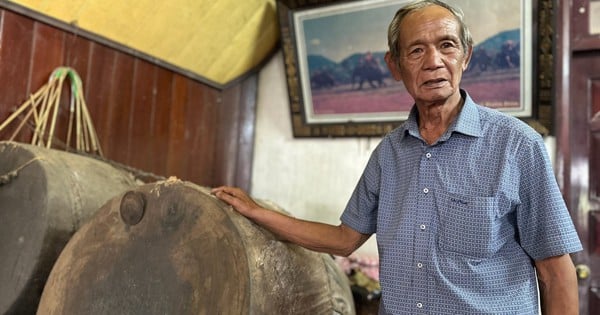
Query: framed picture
339	84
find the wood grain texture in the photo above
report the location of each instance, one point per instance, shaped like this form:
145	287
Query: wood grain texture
146	116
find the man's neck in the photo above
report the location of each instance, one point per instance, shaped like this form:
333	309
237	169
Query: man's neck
434	119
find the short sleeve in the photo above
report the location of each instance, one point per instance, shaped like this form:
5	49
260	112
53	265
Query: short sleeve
545	226
361	210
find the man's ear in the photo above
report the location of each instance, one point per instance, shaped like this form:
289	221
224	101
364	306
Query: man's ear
468	58
393	66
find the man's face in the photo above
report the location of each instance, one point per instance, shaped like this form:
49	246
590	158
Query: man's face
432	58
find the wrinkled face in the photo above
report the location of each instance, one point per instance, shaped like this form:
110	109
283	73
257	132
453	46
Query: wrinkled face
432	59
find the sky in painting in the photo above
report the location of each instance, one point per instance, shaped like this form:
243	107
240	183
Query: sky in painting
338	31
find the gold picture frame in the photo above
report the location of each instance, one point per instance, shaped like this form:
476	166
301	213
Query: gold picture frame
299	18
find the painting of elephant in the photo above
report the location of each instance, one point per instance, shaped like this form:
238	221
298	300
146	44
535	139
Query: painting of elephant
368	70
322	79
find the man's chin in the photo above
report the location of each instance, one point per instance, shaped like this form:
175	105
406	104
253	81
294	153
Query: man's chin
440	95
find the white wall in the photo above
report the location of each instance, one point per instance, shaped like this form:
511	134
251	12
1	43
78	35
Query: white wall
310	178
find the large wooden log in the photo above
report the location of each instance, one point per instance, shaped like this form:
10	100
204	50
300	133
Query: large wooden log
45	196
172	248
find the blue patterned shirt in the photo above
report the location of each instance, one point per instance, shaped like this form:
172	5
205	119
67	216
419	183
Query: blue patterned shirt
460	222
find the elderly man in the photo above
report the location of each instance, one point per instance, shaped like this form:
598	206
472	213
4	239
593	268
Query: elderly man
463	200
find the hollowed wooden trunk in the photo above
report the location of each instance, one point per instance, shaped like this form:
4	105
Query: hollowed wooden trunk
45	196
172	248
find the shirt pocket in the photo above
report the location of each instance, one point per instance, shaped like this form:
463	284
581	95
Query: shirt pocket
468	225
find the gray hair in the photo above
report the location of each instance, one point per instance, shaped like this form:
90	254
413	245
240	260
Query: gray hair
394	28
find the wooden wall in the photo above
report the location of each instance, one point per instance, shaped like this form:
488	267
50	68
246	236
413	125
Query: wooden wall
146	116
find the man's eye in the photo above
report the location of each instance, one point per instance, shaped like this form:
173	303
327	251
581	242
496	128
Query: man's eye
416	51
448	45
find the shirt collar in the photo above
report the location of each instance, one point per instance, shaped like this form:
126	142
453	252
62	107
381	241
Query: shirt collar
467	123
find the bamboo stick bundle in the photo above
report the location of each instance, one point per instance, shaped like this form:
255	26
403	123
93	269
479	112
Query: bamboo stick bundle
41	111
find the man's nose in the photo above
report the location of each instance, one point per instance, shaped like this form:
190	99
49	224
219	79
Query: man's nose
432	59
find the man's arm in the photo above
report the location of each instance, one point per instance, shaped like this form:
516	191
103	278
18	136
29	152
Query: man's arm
338	240
558	285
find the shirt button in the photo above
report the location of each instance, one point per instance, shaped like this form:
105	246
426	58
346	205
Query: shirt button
422	226
419	265
420	305
428	155
426	190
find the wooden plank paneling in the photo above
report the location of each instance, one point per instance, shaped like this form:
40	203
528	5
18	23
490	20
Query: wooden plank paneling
237	115
245	135
200	132
116	124
141	115
77	55
159	130
176	145
228	150
15	62
99	84
146	116
47	55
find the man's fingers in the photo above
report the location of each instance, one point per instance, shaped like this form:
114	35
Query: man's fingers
217	189
222	193
226	197
226	189
227	194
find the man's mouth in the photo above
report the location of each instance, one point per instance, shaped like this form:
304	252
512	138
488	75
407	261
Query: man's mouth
434	82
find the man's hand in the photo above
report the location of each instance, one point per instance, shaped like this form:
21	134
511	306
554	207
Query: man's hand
237	198
336	240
